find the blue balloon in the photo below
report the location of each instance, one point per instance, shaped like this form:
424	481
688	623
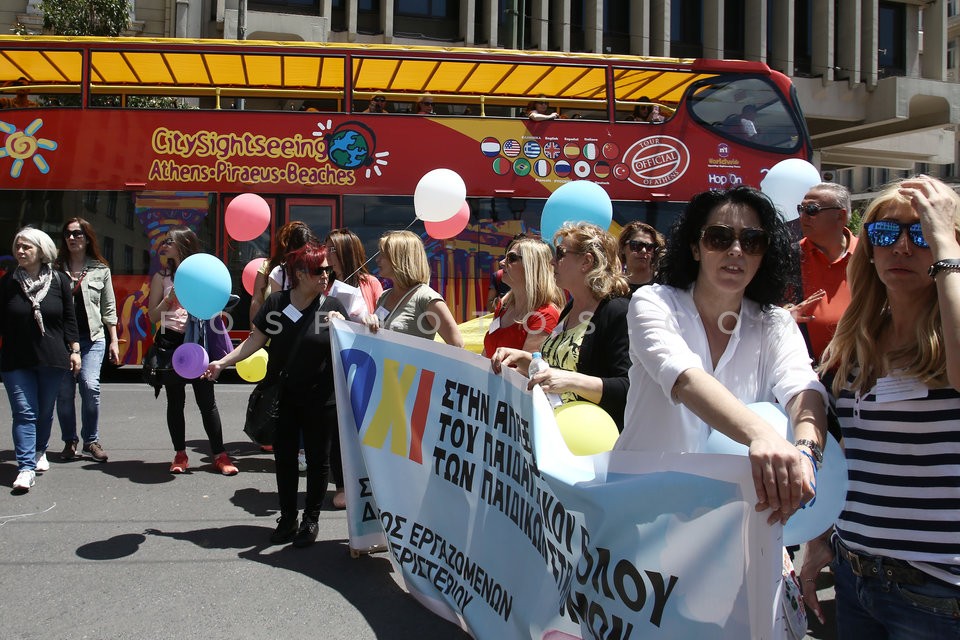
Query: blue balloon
202	284
578	201
832	482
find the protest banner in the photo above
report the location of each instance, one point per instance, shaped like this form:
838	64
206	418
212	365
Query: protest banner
493	524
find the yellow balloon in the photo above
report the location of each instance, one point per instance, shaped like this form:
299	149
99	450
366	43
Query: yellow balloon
586	428
253	368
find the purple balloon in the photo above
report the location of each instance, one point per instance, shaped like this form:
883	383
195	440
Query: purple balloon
190	360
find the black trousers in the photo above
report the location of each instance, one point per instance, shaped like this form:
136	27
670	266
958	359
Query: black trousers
176	390
315	424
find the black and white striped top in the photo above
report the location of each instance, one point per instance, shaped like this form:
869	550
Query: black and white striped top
904	463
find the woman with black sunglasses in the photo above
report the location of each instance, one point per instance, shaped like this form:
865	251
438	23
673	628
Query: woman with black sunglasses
895	551
640	249
307	404
712	337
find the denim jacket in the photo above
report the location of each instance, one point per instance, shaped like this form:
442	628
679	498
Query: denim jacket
98	298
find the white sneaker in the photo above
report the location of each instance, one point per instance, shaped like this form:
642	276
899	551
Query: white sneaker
25	480
302	461
42	463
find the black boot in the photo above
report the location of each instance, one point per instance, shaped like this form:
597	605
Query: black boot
307	534
286	529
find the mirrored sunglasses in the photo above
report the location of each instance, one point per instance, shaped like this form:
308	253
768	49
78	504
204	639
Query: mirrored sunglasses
720	237
884	233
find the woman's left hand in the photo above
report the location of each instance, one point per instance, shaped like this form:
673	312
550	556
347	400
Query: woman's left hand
552	380
506	357
113	352
335	315
782	477
75	364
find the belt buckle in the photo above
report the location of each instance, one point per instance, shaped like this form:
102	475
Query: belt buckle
855	565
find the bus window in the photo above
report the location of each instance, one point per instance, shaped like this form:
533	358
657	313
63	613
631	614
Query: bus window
750	110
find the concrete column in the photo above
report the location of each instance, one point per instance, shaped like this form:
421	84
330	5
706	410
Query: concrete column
386	20
822	49
660	27
713	29
869	44
350	8
848	49
639	29
933	59
326	8
560	26
540	25
490	27
755	30
783	24
468	21
593	26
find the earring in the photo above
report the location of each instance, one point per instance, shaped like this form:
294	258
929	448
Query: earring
871	260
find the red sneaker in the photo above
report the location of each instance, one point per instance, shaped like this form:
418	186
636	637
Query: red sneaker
179	464
224	465
266	448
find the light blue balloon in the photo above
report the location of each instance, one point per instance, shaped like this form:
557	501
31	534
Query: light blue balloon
202	284
832	483
577	201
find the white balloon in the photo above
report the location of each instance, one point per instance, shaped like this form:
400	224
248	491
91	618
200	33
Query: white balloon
439	195
786	184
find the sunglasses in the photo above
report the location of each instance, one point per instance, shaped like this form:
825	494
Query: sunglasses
812	209
639	245
562	251
166	243
720	237
322	270
379	99
429	104
77	233
512	257
884	233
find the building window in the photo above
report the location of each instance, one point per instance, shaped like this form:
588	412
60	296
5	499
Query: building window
734	19
952	59
108	248
892	39
803	38
686	28
127	259
432	19
616	26
951	8
311	7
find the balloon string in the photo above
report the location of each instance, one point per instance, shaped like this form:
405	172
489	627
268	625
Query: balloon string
374	256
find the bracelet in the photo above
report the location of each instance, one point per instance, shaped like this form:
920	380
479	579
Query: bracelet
815	467
76	351
813	446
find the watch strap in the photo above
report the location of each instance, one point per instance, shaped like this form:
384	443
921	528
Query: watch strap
952	264
814	448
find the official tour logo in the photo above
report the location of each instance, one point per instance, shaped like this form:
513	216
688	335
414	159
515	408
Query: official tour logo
656	161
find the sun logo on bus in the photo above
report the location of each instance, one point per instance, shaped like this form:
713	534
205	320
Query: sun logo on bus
22	145
353	145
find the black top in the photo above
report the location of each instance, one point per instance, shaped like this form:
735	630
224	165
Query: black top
605	354
80	312
310	371
23	346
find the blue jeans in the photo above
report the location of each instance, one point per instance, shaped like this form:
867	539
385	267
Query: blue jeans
91	359
33	395
877	609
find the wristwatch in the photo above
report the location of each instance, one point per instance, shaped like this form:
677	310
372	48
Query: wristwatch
76	351
952	264
814	449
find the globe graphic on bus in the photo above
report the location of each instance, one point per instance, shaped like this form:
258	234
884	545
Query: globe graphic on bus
348	149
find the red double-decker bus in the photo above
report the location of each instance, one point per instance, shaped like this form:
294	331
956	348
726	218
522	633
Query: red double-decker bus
137	135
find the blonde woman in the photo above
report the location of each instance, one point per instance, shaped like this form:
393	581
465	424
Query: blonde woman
588	350
528	313
410	306
895	550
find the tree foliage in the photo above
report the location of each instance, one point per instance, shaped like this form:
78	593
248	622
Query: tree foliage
85	17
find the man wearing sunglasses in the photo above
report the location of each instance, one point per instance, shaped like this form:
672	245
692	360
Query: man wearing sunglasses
825	249
378	104
425	105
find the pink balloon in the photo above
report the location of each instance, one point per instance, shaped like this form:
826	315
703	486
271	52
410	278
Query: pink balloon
449	228
190	360
249	275
247	216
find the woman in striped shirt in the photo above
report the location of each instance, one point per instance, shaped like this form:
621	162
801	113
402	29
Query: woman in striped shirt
895	550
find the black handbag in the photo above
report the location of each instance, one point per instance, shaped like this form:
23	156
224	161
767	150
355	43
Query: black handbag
263	412
263	407
158	360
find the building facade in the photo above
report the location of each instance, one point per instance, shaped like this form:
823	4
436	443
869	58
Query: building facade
877	79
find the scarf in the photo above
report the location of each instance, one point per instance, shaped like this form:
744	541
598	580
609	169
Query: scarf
35	290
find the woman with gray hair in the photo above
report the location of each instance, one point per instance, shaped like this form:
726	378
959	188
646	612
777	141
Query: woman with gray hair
40	343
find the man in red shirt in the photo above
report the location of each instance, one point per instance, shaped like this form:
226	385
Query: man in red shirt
825	249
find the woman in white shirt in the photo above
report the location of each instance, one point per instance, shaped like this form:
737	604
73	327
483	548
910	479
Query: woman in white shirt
712	337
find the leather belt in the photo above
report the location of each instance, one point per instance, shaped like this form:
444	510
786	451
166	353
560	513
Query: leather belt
883	568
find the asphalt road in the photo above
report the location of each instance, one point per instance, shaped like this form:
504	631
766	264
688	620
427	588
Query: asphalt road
124	549
127	550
